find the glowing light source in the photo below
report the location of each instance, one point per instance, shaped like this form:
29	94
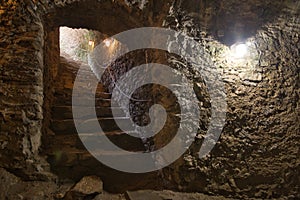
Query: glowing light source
91	43
108	42
239	50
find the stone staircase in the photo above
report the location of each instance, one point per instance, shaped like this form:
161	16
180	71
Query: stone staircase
66	150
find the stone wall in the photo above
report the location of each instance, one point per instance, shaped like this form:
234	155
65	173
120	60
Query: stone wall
258	152
25	27
22	59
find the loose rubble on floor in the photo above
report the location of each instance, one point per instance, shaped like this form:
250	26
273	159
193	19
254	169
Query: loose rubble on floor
88	188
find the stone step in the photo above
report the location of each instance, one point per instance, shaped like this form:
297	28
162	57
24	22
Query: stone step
67	126
81	93
84	154
96	141
65	112
107	124
84	101
70	156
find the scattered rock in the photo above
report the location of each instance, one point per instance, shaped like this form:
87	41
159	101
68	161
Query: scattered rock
29	45
7	180
33	190
107	196
170	195
142	195
88	186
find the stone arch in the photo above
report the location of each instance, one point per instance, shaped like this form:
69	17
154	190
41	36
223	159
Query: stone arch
38	61
93	15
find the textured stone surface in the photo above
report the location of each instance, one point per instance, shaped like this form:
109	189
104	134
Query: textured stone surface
143	194
258	152
88	186
64	149
251	156
107	196
7	180
13	187
30	66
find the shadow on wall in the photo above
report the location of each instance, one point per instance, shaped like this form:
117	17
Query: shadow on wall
231	21
108	17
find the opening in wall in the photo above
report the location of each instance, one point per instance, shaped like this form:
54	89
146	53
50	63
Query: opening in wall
66	51
77	43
